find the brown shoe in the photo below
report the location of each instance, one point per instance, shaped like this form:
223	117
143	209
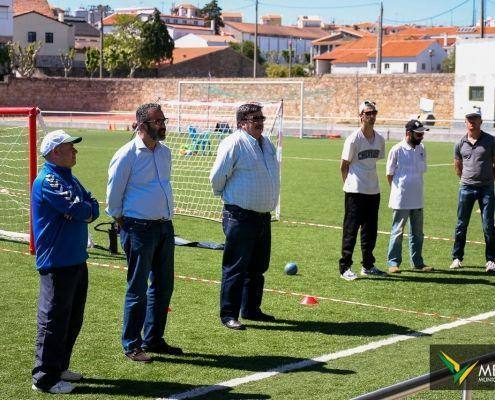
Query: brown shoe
138	355
393	270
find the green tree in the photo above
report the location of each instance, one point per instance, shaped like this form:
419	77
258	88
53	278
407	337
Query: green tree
157	45
112	58
23	59
212	12
92	60
277	71
448	63
67	59
247	49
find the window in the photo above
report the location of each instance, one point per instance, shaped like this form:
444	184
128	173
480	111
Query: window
423	66
4	12
439	67
387	66
406	68
476	93
48	37
373	65
31	37
195	22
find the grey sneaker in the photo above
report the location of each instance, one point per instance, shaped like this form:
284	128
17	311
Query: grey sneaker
71	376
348	275
372	271
60	387
490	267
456	264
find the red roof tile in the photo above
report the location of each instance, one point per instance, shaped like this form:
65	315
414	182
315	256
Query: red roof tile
403	48
186	54
40	6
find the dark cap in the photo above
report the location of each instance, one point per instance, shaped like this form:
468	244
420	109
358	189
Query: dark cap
415	126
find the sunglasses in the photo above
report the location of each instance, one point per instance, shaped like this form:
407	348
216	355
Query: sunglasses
256	119
370	113
159	121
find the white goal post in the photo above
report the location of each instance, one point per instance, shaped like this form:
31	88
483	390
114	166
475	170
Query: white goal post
291	92
18	168
194	132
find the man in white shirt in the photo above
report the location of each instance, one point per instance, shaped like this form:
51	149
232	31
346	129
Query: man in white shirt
361	151
406	165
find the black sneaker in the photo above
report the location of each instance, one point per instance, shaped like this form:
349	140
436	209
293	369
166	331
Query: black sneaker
259	316
164	348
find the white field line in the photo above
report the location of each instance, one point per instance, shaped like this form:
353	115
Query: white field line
338	160
381	232
200	391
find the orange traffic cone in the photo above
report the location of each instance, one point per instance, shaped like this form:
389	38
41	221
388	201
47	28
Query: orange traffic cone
309	301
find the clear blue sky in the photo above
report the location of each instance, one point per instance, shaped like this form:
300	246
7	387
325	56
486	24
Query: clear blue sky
328	10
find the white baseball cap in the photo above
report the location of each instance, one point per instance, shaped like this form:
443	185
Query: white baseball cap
365	104
56	138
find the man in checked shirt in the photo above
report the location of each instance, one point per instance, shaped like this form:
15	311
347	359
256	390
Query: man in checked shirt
246	175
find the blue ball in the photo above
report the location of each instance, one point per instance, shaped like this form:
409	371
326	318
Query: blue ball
290	268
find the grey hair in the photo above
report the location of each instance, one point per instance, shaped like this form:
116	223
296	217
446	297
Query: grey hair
245	110
143	110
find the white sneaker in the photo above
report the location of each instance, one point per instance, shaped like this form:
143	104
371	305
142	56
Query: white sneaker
456	264
372	271
490	267
348	275
60	387
71	376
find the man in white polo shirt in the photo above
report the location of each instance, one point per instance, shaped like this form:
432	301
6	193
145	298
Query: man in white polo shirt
362	149
406	165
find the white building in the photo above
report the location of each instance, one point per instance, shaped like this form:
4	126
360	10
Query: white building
56	37
475	77
6	21
409	57
193	40
309	22
273	38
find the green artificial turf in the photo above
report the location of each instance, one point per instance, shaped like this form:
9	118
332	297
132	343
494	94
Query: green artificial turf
311	193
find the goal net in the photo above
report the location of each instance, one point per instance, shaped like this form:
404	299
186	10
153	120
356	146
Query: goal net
194	132
18	168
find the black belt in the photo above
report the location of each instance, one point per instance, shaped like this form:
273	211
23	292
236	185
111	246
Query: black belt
146	221
234	208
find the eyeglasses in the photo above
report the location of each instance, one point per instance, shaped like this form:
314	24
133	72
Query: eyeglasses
159	121
369	113
256	119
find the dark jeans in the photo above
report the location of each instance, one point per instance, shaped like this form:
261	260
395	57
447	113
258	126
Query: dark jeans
61	304
361	211
149	248
245	259
468	195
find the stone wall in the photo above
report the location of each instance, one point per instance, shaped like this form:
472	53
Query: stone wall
397	96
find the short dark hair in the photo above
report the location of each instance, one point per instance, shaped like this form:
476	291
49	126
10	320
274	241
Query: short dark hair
143	110
245	110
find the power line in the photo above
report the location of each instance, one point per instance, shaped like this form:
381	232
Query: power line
430	17
320	8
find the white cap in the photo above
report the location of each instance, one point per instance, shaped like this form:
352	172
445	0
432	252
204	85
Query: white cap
55	138
365	104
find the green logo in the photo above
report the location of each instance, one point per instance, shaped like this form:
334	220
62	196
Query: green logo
460	375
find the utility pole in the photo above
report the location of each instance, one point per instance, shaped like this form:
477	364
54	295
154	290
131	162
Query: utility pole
473	23
482	19
255	58
100	9
380	39
290	57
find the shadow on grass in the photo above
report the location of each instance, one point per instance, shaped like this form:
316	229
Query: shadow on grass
129	387
255	363
335	328
429	277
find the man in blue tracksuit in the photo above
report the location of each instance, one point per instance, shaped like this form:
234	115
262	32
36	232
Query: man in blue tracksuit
61	210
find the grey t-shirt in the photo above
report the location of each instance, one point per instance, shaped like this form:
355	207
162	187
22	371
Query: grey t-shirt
477	160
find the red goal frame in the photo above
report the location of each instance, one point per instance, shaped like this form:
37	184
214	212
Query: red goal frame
31	113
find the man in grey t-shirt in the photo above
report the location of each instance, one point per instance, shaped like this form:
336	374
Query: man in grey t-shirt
474	162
